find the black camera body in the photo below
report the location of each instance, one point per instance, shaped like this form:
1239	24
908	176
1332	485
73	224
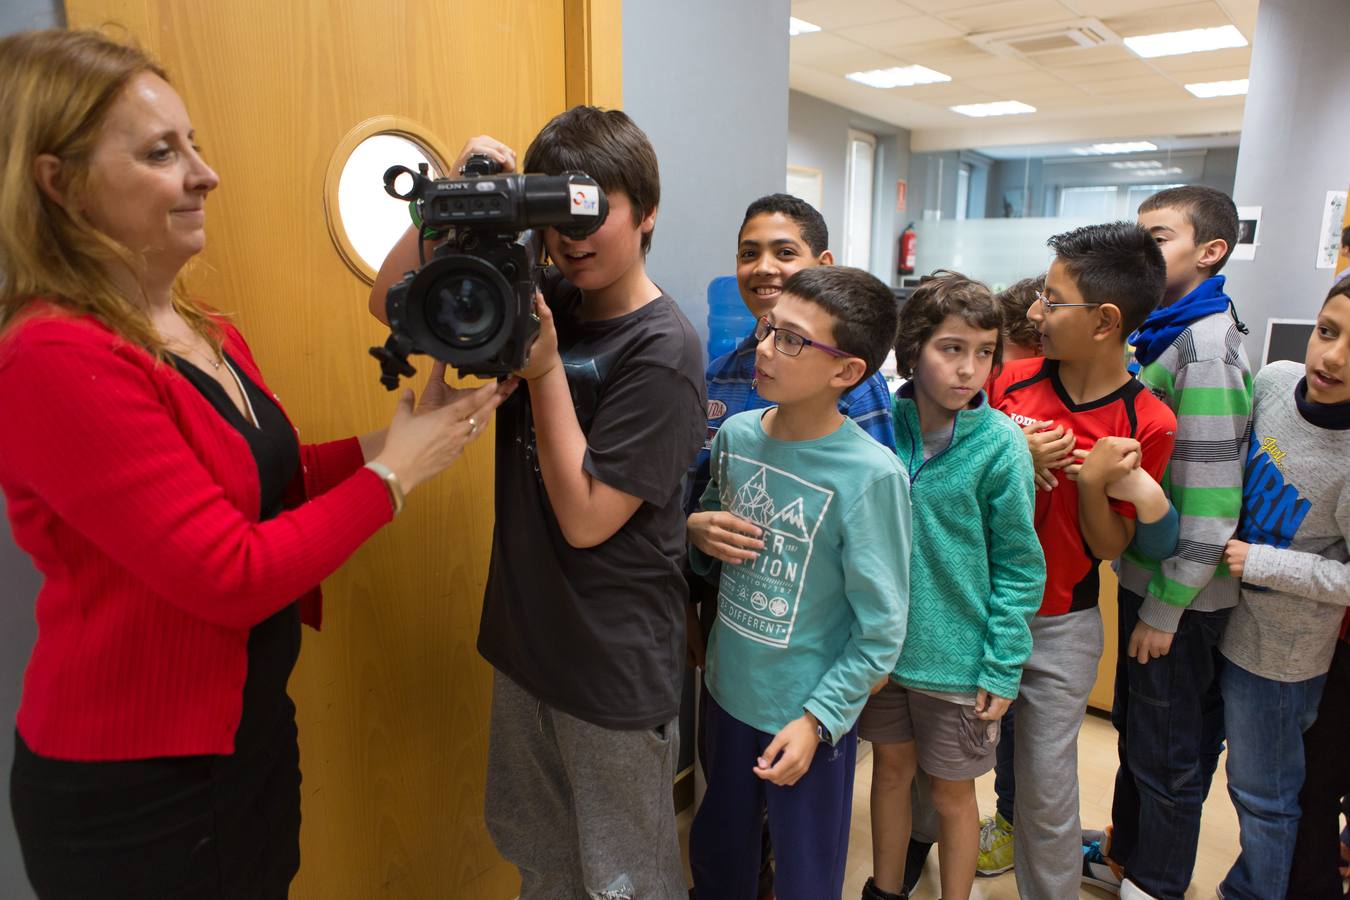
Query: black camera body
472	304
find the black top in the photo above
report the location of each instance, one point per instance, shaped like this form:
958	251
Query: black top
274	644
599	632
1333	416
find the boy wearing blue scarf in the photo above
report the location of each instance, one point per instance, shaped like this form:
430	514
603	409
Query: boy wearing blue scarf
1172	614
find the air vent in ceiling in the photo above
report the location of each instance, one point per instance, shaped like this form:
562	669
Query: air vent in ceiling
1037	40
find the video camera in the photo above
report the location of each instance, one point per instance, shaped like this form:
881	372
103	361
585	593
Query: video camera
472	304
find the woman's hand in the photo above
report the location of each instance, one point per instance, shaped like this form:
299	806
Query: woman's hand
420	445
724	536
485	145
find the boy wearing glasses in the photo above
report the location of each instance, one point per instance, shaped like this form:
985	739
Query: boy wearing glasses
779	236
1173	613
1104	280
812	608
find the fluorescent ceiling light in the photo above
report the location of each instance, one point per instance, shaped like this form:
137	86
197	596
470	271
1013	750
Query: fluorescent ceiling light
798	26
1194	40
1119	147
1207	89
1137	164
1000	108
901	76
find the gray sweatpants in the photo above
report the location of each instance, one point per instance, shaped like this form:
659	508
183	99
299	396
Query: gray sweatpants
582	811
1056	681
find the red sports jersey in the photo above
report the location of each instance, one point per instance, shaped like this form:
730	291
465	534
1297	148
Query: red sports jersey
1029	390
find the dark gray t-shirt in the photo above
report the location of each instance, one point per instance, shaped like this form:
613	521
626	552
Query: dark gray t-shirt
599	633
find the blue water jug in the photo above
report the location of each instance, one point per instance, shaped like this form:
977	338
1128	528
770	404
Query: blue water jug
728	319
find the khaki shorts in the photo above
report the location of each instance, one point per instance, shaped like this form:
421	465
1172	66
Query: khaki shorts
953	743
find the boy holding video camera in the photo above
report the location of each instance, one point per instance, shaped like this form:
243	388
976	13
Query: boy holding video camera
583	616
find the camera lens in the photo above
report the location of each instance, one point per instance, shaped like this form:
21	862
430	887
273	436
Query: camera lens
464	311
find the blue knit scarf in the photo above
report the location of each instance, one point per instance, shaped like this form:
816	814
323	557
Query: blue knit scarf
1166	323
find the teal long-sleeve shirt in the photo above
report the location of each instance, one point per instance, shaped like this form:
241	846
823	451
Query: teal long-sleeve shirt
820	616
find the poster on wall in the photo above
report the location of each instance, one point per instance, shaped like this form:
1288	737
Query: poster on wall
901	189
1329	238
1249	226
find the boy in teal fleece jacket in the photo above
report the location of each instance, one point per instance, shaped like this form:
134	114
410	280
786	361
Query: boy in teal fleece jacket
977	574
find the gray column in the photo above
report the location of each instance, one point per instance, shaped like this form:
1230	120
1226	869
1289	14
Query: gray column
1295	147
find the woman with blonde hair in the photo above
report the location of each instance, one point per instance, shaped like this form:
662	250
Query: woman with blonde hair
180	528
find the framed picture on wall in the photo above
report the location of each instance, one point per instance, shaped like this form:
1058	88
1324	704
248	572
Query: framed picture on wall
806	183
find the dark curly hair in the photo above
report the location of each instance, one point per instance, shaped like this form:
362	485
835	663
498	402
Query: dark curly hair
809	221
938	296
1014	302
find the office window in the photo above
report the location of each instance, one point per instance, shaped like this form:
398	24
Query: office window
858	184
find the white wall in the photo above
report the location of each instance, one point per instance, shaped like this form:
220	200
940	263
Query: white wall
1295	147
818	139
707	81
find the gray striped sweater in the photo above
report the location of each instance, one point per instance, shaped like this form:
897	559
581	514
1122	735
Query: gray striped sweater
1204	377
1296	516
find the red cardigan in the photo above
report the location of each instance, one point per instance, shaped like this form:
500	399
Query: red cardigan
139	503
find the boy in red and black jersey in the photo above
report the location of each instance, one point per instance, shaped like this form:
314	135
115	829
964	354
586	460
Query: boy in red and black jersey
1105	279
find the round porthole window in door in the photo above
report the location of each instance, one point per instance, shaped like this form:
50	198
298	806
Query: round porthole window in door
363	220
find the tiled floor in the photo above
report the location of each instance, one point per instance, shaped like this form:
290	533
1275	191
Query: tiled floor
1096	774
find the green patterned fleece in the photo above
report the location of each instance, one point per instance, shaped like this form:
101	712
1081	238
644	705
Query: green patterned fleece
977	572
1206	380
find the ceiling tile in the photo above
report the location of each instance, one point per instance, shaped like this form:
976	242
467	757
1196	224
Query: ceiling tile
809	48
1233	58
1154	83
1118	71
1223	73
835	14
859	59
1180	17
1101	9
942	6
892	35
1243	14
1017	82
1008	14
948	94
978	65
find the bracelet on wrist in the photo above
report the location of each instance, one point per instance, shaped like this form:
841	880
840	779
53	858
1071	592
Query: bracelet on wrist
390	483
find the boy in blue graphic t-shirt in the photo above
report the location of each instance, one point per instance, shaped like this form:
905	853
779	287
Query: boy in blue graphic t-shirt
813	593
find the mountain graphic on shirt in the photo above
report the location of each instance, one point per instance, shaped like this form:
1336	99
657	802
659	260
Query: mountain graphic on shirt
791	520
752	502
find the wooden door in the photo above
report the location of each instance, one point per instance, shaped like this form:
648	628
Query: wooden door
392	696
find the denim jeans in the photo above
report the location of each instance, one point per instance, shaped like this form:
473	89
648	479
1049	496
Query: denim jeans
1169	717
1265	722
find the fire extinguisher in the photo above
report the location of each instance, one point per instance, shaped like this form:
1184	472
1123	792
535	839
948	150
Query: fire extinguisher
909	249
